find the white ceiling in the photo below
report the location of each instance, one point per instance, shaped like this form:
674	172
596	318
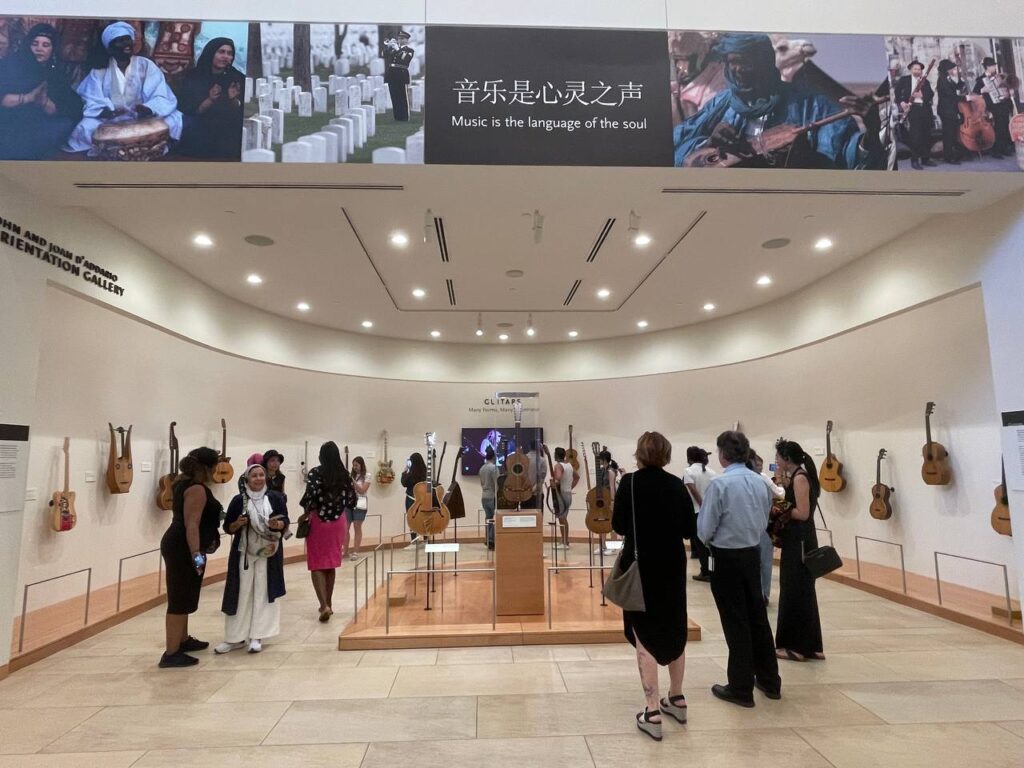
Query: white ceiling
332	246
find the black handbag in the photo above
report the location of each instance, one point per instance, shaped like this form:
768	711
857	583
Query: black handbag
823	560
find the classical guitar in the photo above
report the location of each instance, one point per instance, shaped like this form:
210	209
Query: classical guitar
935	470
1001	511
64	517
427	515
304	464
880	507
119	465
223	471
453	498
556	503
165	496
346	457
385	472
599	501
830	475
571	457
518	485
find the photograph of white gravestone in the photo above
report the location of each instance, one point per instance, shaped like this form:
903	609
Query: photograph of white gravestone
335	92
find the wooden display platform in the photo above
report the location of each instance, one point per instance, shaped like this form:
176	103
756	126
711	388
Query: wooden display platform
464	618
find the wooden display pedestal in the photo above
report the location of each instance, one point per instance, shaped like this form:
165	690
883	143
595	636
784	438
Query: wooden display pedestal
519	563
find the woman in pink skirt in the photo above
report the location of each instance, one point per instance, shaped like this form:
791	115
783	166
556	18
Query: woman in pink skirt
329	497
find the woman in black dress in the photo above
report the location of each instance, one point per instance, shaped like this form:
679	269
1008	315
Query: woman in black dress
210	99
192	535
663	519
798	631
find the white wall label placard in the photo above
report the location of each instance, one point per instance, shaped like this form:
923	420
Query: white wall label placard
13	466
1013	449
447	547
519	521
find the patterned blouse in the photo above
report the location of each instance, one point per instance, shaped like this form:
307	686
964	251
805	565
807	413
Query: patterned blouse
330	506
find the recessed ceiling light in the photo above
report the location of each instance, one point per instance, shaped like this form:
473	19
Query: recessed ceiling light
823	244
642	240
503	336
203	241
419	293
641	324
573	334
479	331
709	307
764	280
367	323
254	279
400	239
604	293
531	332
302	306
436	334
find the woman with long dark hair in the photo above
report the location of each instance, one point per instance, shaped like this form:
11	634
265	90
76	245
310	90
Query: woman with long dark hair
327	503
210	100
415	472
38	108
361	482
192	535
798	630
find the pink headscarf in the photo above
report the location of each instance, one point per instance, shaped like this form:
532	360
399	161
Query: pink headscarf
256	458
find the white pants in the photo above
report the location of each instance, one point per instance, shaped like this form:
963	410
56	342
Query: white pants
256	618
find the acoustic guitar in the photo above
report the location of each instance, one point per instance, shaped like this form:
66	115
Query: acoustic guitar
64	517
599	502
830	475
119	465
223	471
304	464
554	492
346	457
428	515
385	471
165	495
518	485
935	470
1001	511
453	498
571	457
880	507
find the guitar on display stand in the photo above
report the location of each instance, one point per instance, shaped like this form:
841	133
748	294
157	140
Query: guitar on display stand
165	494
223	472
935	470
830	476
427	515
119	465
454	502
881	507
573	458
1001	511
518	487
64	517
385	471
599	502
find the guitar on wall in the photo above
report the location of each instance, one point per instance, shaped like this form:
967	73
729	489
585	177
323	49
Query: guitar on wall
428	515
119	465
518	486
223	471
1001	511
453	498
64	517
881	508
573	458
935	470
830	475
599	501
304	464
385	471
165	495
346	457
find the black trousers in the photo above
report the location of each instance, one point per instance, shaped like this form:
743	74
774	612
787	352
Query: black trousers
1001	114
736	586
698	551
399	97
919	134
950	135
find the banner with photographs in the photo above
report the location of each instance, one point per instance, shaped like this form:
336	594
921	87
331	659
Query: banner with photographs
190	90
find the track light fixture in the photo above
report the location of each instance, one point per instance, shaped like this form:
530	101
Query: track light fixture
479	324
429	230
634	222
538	226
530	331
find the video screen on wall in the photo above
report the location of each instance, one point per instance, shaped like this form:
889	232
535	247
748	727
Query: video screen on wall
476	440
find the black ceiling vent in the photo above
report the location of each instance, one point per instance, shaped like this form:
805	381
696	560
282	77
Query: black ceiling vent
451	292
572	293
605	231
442	241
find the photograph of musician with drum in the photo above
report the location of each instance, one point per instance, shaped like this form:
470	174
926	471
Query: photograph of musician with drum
754	100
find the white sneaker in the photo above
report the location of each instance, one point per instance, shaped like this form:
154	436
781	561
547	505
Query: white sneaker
255	646
354	556
562	546
227	647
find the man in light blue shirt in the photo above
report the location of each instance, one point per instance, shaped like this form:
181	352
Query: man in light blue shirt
732	518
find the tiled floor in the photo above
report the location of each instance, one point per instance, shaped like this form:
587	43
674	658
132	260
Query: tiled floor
900	688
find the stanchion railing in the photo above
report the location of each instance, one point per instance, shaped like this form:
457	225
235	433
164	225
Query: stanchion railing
24	600
120	571
903	566
559	569
417	571
355	586
380	526
1006	579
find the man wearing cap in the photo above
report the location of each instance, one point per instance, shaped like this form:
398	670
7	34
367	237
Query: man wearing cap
952	90
398	56
272	461
917	103
128	88
992	86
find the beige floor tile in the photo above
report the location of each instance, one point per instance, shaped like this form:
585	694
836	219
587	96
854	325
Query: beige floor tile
76	760
982	663
168	726
611	651
622	674
837	668
940	702
370	720
161	686
883	642
29	730
295	756
1016	683
306	684
683	747
559	714
320	659
23	686
478	680
405	657
1014	726
482	655
950	745
526	654
874	615
566	752
64	665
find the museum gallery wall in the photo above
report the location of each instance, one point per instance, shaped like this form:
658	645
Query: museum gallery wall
349	92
